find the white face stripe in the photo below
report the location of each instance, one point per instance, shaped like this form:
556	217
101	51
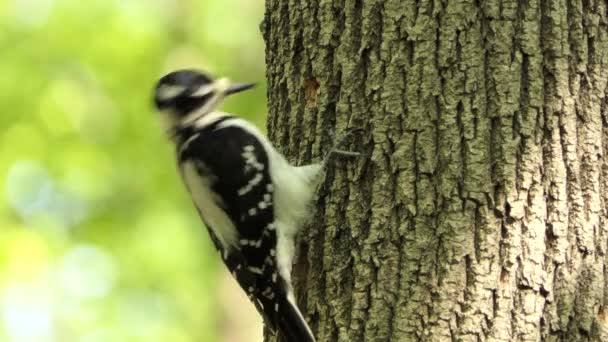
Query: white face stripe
220	86
203	90
208	119
166	91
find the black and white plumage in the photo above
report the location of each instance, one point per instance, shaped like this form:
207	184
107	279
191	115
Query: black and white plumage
250	198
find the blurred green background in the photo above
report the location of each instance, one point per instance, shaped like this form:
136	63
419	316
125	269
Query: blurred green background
98	239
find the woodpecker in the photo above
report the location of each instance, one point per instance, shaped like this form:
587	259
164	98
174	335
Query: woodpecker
250	198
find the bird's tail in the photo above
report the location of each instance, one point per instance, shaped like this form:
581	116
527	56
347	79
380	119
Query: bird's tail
282	316
291	323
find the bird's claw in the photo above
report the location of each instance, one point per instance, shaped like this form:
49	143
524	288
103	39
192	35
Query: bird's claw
335	150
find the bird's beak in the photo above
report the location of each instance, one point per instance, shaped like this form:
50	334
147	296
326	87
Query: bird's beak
238	87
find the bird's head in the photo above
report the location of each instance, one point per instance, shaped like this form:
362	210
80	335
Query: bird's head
185	95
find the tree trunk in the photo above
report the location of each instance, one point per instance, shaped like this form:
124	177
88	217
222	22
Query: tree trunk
479	209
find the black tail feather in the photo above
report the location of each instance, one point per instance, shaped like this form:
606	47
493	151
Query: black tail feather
291	323
284	319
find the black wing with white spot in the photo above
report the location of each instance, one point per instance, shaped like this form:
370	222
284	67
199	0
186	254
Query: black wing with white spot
237	163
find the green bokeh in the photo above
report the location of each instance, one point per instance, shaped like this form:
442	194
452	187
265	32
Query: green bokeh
99	241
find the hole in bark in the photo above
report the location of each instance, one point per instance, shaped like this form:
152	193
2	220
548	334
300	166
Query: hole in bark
504	277
601	315
311	89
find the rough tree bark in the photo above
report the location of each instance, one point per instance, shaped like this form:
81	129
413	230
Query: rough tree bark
480	212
